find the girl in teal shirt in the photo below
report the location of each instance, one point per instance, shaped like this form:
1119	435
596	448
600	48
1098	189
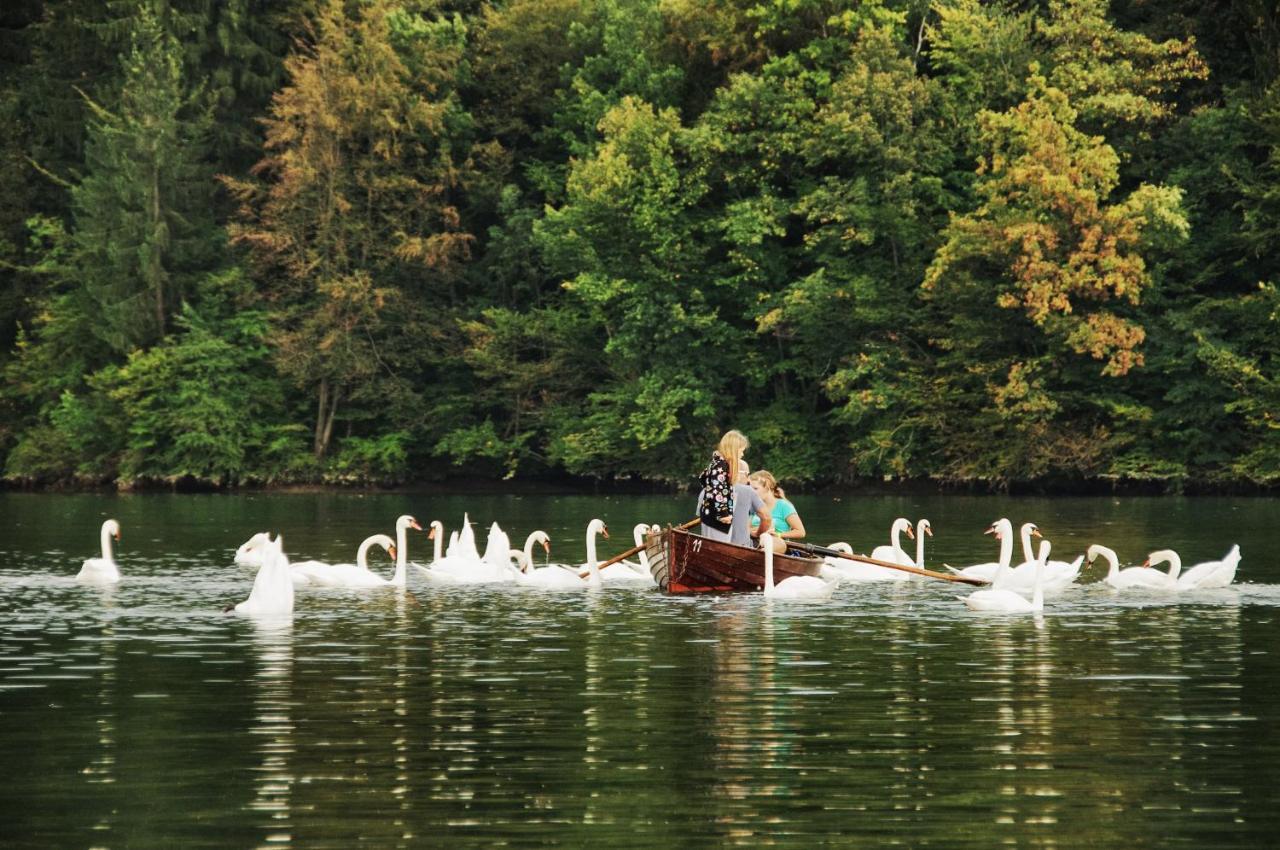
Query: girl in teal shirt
786	522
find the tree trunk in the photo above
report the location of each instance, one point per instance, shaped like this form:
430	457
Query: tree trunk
157	272
319	445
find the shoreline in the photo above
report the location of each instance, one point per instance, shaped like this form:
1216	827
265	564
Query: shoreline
570	486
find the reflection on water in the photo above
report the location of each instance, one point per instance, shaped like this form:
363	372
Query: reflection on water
273	727
140	716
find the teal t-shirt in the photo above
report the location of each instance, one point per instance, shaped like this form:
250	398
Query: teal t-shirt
781	510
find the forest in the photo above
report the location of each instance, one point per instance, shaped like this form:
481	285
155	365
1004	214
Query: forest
375	242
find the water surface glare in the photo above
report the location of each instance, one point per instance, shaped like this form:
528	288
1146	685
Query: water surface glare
139	715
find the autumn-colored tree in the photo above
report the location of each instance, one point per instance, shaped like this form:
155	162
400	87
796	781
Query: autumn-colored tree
1048	267
354	216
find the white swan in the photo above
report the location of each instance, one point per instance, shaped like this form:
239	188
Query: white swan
1116	577
846	570
104	569
894	553
524	557
250	552
1003	601
631	572
1003	530
436	534
355	575
809	588
272	591
559	578
1156	580
923	530
493	567
1051	575
1211	573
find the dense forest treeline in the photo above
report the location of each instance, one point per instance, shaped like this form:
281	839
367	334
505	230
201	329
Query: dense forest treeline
375	241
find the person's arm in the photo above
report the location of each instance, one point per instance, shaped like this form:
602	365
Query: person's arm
766	524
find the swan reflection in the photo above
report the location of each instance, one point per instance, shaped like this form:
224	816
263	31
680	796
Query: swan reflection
273	727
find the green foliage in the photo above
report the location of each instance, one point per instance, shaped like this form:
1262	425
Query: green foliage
967	241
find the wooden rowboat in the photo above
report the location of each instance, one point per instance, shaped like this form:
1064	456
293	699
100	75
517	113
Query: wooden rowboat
683	562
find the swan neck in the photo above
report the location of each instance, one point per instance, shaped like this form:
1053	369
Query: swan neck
362	554
402	556
1025	534
439	541
528	552
1006	549
1037	594
106	543
591	546
767	541
920	549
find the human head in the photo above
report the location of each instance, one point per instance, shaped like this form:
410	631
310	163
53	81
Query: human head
732	446
765	479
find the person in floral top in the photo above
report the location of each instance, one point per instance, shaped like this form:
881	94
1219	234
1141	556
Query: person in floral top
716	506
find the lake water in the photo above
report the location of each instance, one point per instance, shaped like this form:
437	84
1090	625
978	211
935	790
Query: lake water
141	716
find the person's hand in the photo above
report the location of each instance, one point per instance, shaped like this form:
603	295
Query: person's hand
727	518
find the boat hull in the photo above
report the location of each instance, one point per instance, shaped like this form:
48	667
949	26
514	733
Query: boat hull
684	563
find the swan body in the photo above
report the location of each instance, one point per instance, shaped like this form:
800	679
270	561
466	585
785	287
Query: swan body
1211	573
894	553
1116	577
560	578
1001	600
272	591
631	572
250	552
103	570
491	568
808	588
847	570
1003	530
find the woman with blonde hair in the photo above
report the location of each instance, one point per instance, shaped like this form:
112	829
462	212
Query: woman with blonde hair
787	524
717	502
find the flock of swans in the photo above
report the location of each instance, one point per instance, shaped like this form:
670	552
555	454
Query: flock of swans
1013	589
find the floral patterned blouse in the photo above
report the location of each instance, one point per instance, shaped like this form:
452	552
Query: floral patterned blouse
717	493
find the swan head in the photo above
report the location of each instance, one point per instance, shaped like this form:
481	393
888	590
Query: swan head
842	547
407	521
925	528
112	528
1096	550
541	538
1000	528
1043	555
437	530
597	526
1163	556
1032	529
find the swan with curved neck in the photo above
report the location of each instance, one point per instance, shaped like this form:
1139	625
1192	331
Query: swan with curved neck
925	530
807	588
103	569
596	526
436	534
403	524
357	575
1116	577
894	553
1003	601
1169	580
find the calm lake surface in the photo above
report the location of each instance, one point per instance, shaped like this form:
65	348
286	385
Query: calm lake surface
141	716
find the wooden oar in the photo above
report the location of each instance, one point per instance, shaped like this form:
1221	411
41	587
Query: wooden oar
863	559
634	549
